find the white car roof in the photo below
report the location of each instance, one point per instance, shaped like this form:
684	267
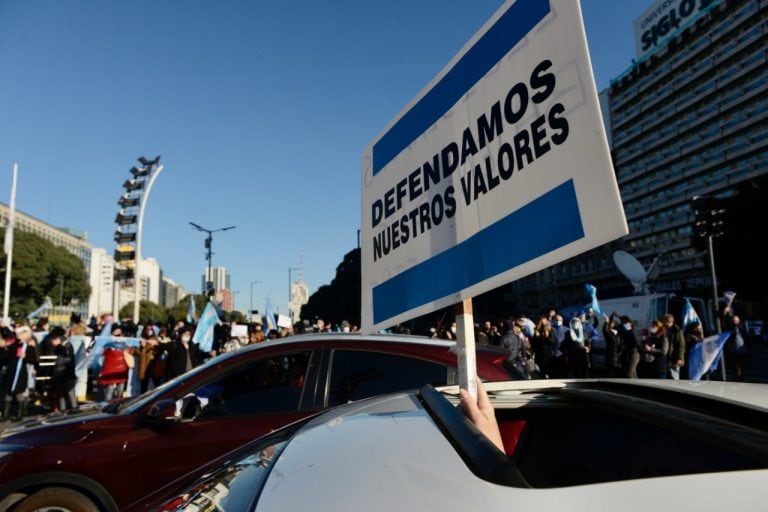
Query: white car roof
388	454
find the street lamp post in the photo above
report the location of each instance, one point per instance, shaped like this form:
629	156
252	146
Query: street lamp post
208	244
137	269
290	282
250	311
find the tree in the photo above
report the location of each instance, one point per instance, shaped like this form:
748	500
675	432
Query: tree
41	269
339	300
148	312
179	311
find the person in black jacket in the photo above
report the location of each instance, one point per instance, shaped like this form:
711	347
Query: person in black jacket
631	349
182	354
18	356
64	376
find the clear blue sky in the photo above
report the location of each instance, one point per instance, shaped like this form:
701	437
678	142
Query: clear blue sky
260	110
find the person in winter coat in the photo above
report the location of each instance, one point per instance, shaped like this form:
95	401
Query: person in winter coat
613	345
64	375
182	354
18	356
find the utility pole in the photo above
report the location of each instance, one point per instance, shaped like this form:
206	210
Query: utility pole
208	244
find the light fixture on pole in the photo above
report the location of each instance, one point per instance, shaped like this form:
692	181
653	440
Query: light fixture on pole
209	290
129	220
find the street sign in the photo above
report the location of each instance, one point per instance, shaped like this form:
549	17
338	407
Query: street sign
498	168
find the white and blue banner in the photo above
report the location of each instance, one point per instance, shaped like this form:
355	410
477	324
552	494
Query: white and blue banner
705	355
690	316
498	168
204	332
191	310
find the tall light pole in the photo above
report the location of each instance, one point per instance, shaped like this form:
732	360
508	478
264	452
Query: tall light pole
144	198
250	311
290	282
208	244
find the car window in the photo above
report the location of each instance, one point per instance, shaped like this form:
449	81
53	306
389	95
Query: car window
357	374
268	385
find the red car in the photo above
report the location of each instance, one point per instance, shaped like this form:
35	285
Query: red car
109	458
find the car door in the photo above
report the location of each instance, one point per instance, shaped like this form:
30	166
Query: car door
357	374
240	404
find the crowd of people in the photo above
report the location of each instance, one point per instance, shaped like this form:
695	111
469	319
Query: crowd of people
557	347
39	362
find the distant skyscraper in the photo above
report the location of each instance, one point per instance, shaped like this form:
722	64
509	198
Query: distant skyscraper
218	276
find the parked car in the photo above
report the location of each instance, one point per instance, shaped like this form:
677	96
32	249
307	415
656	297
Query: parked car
631	445
106	459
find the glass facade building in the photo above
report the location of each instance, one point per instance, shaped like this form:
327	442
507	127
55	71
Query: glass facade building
689	119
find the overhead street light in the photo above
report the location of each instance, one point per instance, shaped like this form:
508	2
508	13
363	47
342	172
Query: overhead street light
131	185
208	246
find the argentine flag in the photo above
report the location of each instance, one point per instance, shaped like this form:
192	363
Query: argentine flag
706	355
689	315
191	310
204	332
270	319
592	291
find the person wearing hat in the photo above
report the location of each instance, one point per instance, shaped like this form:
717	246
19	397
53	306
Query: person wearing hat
18	357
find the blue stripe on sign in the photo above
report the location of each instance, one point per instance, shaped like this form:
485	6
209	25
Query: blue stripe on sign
543	225
511	27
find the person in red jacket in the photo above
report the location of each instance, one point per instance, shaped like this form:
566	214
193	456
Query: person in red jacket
114	371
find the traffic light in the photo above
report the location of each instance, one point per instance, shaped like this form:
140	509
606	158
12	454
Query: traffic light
128	202
125	220
138	173
121	237
709	216
131	185
125	253
123	274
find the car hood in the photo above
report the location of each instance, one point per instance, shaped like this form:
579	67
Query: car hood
91	413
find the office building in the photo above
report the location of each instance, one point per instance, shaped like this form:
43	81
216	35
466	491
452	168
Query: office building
688	118
218	276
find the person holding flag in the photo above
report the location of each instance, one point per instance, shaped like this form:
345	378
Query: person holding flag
17	357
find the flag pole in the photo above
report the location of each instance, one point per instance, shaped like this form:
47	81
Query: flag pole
465	342
8	246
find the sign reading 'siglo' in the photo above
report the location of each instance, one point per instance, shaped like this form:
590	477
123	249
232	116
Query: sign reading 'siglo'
663	19
498	168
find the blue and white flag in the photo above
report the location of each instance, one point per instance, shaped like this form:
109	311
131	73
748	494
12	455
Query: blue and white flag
41	310
204	332
592	291
728	297
191	310
706	355
690	316
108	341
269	319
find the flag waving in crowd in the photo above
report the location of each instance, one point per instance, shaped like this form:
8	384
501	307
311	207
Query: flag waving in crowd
191	310
706	355
690	316
204	332
592	291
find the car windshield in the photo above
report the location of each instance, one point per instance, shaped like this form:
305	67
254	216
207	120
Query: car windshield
129	405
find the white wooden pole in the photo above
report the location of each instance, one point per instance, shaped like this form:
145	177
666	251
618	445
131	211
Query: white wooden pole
8	246
465	343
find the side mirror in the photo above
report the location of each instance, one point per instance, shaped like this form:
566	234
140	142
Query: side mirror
163	410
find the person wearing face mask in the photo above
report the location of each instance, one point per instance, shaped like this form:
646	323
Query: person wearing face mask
631	349
558	368
578	349
182	354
